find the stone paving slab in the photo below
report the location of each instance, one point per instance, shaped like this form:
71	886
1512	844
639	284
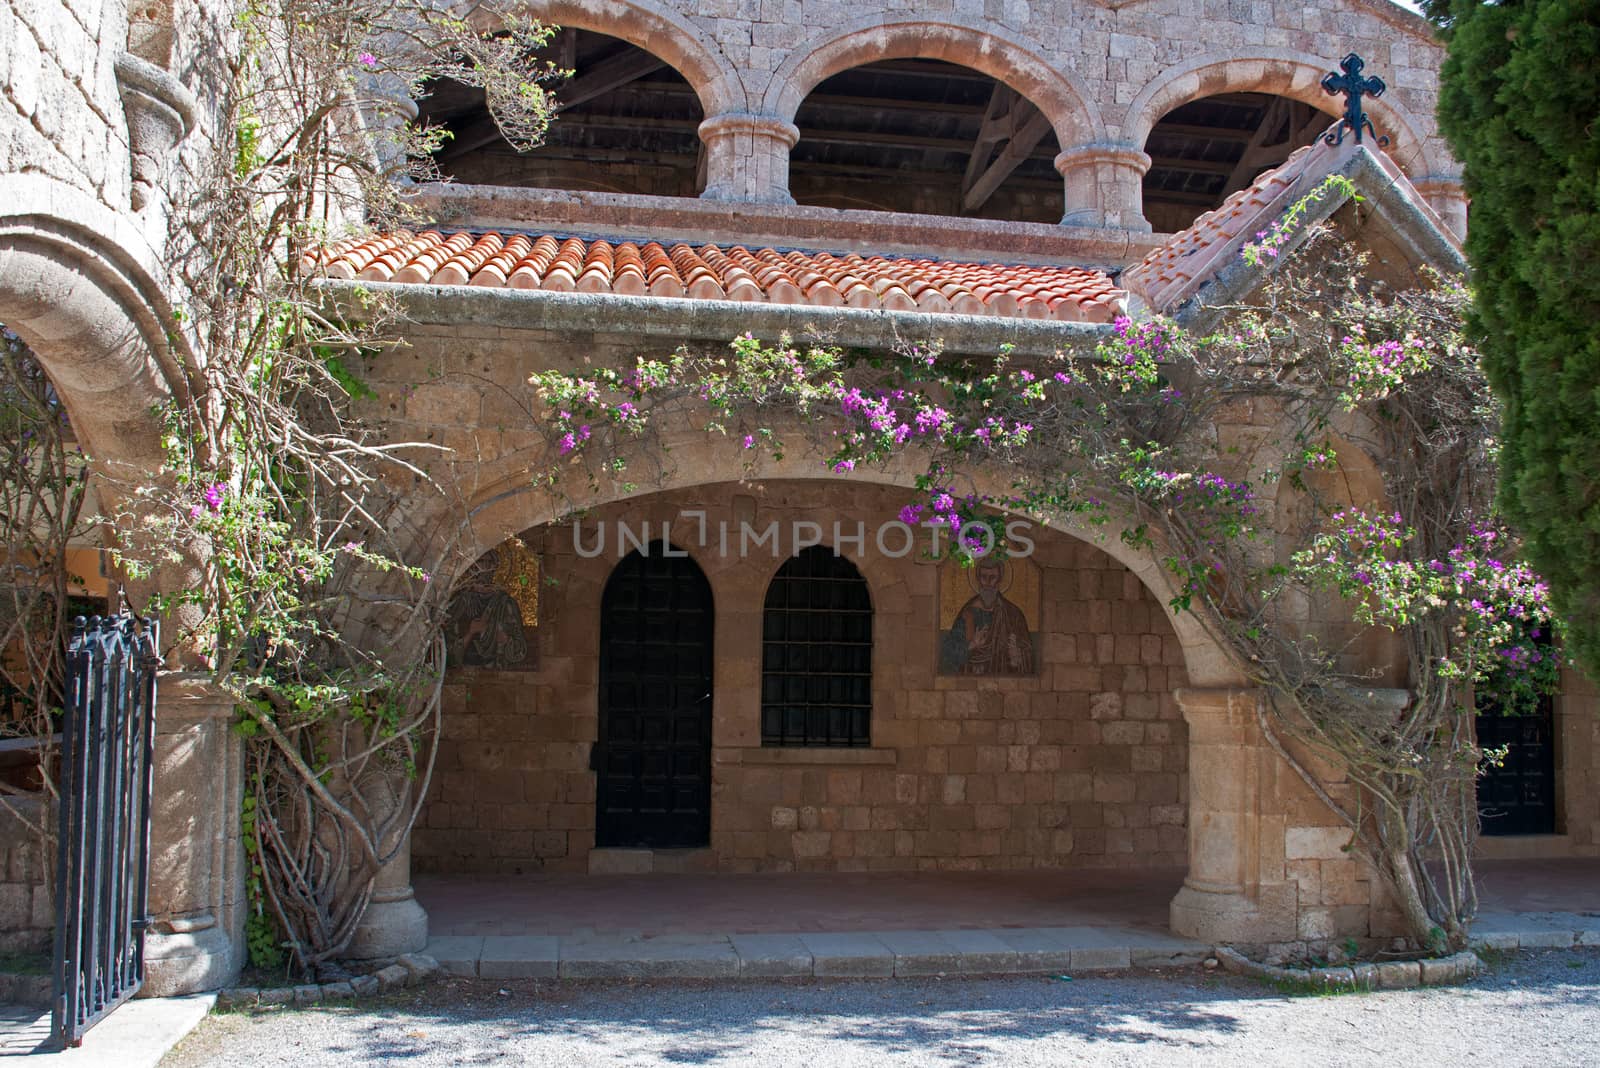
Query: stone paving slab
920	952
852	954
983	952
772	956
457	954
1536	930
519	957
849	954
709	957
137	1035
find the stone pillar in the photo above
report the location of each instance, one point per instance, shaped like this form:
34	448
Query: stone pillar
1224	898
747	157
1104	186
196	937
1447	195
394	922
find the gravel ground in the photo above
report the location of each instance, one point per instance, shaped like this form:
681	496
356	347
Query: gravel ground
1532	1009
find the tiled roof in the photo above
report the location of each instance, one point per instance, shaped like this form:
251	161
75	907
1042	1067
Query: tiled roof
711	272
1172	272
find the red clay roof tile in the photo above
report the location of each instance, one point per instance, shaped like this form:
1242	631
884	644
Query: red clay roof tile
710	272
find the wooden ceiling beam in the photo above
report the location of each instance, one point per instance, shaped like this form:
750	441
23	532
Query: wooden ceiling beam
1020	146
598	80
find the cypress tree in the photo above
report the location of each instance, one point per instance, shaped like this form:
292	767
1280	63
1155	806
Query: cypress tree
1520	104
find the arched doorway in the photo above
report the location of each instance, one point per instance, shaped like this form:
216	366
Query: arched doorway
652	759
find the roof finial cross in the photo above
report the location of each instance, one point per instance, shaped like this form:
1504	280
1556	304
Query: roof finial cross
1354	87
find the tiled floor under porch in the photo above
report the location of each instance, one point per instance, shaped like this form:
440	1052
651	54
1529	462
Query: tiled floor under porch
651	905
879	901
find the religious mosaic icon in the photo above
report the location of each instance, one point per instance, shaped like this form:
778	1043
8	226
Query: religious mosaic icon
494	609
989	617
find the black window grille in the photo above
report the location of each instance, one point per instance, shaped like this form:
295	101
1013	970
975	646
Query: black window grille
816	653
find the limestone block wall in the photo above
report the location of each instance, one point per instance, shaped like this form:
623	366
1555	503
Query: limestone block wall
1102	73
1081	765
27	909
60	114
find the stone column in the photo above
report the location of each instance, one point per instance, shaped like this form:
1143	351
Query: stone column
1224	898
747	157
196	937
1447	195
1104	186
394	922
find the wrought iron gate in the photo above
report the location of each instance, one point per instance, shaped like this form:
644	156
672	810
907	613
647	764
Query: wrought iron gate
107	743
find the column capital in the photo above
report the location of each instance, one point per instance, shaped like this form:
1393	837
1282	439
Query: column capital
1117	155
733	123
1220	715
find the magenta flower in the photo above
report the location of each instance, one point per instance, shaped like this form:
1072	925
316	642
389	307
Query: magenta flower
367	59
214	495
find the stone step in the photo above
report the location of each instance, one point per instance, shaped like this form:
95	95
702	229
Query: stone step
997	951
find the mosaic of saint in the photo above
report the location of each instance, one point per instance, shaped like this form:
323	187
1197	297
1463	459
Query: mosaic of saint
989	617
494	611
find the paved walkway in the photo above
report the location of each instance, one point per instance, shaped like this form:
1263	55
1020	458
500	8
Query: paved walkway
653	905
136	1035
889	924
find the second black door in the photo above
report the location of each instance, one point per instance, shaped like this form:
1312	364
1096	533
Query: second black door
653	757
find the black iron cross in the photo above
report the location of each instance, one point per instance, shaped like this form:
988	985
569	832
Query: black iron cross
1354	87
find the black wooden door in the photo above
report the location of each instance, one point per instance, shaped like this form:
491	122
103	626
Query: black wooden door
1520	796
653	758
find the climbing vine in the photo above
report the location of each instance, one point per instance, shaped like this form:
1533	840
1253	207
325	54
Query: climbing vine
273	538
1234	459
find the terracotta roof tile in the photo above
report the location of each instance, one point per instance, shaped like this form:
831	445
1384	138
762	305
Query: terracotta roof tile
711	272
1171	273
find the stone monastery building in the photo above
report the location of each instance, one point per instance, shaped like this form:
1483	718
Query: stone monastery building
985	172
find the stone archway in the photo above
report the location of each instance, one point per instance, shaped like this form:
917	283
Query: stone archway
1278	72
988	49
78	285
660	31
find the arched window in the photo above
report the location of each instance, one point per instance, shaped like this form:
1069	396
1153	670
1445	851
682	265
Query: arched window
816	653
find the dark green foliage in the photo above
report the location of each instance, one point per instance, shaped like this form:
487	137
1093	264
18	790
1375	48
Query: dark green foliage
1520	105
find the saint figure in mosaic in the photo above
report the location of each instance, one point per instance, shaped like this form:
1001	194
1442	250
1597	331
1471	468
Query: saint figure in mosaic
990	634
485	627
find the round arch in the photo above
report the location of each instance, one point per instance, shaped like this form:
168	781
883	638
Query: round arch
1279	72
978	46
660	31
77	285
506	504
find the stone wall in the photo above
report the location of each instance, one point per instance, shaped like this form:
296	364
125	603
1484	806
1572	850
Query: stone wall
1103	75
1081	765
59	109
27	909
